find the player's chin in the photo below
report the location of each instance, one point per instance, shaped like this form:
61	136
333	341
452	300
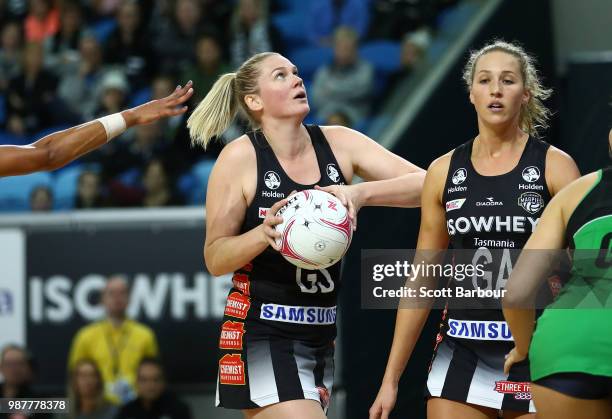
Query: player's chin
300	107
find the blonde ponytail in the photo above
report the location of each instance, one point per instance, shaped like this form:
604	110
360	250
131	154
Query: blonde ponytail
215	112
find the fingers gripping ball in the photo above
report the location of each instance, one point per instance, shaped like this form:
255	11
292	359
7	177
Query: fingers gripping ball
316	229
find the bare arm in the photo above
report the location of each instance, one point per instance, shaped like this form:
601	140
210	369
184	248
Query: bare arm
391	180
561	170
536	261
57	149
409	322
225	249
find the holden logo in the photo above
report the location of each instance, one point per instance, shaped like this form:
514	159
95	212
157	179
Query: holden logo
459	176
531	174
272	179
531	202
332	173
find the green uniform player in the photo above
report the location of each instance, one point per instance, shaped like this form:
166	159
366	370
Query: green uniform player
570	352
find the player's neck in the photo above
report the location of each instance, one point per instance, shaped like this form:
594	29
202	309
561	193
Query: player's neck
493	140
288	140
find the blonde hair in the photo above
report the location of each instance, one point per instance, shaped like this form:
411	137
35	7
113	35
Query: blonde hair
534	115
216	111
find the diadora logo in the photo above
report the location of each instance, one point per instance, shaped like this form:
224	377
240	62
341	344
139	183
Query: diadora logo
454	204
333	173
490	202
531	173
531	202
459	176
272	179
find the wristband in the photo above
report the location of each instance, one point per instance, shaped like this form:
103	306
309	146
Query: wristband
114	125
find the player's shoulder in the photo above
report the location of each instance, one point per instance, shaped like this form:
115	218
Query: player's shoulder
340	135
557	158
579	187
239	148
439	166
237	153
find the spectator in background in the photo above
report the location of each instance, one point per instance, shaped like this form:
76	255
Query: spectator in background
251	31
157	184
116	344
114	91
11	49
13	9
86	393
208	67
414	48
391	19
345	85
42	22
89	194
101	9
15	370
41	199
17	367
81	83
326	16
154	400
129	46
63	48
31	97
148	142
177	35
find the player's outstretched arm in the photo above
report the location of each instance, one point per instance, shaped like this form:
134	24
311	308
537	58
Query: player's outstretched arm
392	181
410	321
60	148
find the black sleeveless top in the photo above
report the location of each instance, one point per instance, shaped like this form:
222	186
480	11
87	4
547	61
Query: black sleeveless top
284	299
486	215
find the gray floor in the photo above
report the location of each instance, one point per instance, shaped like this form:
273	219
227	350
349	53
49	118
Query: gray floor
203	407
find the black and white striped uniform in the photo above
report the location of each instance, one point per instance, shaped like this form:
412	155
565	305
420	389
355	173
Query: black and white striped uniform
277	338
487	213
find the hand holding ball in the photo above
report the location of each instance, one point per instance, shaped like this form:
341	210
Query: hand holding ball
316	229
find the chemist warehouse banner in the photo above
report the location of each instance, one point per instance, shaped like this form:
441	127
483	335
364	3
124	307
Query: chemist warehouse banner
171	292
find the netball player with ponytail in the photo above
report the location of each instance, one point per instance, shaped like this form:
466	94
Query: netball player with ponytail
276	345
487	193
60	148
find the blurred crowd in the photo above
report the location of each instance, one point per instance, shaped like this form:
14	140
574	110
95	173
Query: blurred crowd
63	62
114	369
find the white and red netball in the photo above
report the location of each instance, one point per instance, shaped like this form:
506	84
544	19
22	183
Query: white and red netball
316	229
